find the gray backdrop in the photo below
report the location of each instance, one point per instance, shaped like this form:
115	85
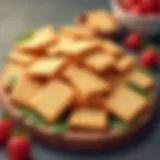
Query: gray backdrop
18	16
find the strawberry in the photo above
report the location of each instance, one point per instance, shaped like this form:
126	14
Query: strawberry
133	41
137	10
6	127
127	4
149	57
18	148
158	12
149	5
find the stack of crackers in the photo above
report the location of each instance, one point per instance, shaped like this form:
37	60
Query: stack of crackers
73	70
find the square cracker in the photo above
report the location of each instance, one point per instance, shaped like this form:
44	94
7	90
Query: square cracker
11	70
41	39
24	90
21	58
126	104
46	67
88	118
99	61
112	48
86	83
126	63
53	100
141	79
54	50
102	20
76	32
74	48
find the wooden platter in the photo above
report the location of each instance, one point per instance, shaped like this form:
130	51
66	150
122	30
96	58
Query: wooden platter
75	140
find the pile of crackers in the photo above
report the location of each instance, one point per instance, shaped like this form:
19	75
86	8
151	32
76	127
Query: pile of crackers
73	70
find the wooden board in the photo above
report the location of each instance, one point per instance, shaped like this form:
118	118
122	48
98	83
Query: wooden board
76	140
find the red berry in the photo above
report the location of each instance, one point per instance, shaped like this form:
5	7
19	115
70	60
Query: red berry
149	57
18	148
137	10
6	127
149	5
158	12
133	41
127	4
154	13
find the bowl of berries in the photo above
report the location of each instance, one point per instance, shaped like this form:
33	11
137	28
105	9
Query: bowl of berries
142	16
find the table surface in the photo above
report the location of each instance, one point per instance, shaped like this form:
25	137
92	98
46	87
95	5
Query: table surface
18	16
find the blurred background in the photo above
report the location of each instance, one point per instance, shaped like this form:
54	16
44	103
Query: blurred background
19	16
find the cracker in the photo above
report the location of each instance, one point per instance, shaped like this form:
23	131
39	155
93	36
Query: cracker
126	63
11	70
53	100
141	79
99	61
102	21
126	104
112	48
46	67
86	82
21	58
75	48
41	39
76	32
88	118
24	90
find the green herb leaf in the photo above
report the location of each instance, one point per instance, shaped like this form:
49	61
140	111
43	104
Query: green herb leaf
147	44
148	71
138	90
117	124
25	37
60	127
34	117
13	80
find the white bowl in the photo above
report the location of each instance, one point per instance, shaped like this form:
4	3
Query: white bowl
144	24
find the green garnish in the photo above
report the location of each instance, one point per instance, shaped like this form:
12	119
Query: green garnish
60	127
25	37
138	89
147	44
33	116
117	124
147	71
37	121
13	80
